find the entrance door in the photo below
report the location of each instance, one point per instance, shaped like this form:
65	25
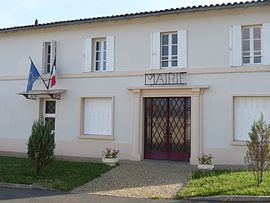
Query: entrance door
167	128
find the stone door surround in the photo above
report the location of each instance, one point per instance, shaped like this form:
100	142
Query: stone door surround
195	92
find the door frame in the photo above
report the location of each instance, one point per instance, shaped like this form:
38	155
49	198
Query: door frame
42	109
139	93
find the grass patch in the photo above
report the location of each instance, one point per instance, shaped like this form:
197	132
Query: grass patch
224	182
60	175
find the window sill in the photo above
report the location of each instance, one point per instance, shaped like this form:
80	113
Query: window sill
99	72
102	71
170	68
238	143
251	64
96	137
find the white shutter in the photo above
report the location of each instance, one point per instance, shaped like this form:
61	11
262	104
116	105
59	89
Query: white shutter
110	53
53	53
87	55
266	43
98	116
43	57
182	48
155	50
235	46
246	110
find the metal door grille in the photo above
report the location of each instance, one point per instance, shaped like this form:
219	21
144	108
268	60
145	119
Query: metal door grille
167	128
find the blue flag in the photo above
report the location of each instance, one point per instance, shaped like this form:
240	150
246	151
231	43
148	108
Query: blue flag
33	76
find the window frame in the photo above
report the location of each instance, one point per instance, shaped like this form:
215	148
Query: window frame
48	115
170	46
103	54
48	55
251	40
83	135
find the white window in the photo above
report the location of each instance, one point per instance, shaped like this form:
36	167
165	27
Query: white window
98	54
100	48
49	54
169	50
246	111
251	45
49	112
97	116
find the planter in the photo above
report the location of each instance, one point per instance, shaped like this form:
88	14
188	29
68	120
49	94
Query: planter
208	167
110	161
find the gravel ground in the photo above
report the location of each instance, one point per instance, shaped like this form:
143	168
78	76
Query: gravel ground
144	179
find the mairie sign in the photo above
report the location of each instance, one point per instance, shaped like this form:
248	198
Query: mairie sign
175	78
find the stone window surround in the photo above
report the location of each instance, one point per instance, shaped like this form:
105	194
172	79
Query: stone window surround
239	143
95	137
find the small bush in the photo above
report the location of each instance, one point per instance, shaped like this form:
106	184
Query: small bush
41	145
258	153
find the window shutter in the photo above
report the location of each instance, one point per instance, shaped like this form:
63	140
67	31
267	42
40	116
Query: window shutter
98	116
246	110
87	55
266	43
110	53
53	49
43	57
155	50
182	48
235	45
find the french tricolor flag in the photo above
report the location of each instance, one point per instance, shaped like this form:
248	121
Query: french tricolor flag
53	73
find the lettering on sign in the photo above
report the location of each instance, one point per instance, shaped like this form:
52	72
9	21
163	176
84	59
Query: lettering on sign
176	78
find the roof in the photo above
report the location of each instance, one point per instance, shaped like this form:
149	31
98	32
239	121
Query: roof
140	14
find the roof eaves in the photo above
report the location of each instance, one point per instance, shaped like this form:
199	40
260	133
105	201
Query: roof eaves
139	15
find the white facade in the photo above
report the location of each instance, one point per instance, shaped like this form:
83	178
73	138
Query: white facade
209	50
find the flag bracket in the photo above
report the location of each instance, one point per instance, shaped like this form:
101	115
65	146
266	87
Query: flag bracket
37	94
55	96
32	97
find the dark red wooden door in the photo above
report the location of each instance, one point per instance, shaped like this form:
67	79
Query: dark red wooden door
167	128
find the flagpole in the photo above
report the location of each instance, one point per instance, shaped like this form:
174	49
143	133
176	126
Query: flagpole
47	86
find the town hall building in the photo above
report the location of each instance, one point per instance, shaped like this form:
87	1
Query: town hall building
166	85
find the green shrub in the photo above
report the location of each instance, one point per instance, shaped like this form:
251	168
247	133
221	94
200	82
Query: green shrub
258	153
41	145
